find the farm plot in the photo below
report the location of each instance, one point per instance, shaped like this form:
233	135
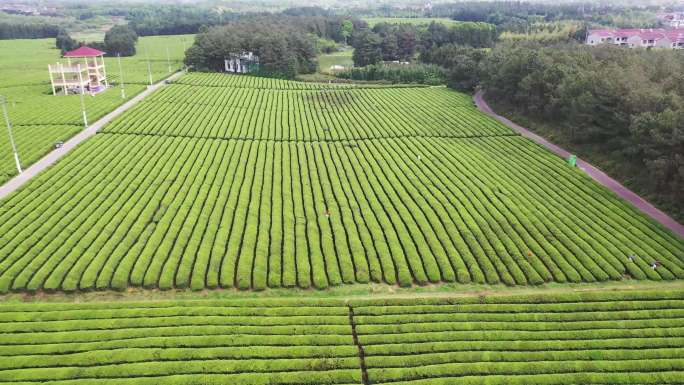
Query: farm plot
33	142
323	115
247	343
221	80
207	187
592	338
25	84
158	211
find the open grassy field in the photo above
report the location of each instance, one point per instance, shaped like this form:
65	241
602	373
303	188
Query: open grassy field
237	181
622	337
41	119
342	58
372	21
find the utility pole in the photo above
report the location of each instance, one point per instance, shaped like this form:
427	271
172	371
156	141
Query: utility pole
83	110
121	79
149	69
9	131
185	68
168	60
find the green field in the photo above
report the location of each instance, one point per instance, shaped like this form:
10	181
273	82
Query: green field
372	21
236	181
623	337
342	58
41	119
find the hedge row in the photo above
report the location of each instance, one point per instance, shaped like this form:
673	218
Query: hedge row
310	341
309	116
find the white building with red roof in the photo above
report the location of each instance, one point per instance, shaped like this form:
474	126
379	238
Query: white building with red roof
644	38
84	70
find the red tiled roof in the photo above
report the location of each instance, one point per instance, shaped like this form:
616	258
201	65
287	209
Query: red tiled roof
676	34
84	52
601	32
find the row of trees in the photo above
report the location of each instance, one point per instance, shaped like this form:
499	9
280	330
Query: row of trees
401	42
397	73
174	19
520	16
16	30
628	104
120	39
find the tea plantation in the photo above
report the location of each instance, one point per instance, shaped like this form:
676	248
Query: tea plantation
237	181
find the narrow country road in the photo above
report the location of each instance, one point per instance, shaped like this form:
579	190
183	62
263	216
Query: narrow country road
598	175
49	159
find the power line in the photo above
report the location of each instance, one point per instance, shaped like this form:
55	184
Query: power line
149	69
9	132
121	78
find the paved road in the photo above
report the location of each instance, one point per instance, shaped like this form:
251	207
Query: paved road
45	162
598	175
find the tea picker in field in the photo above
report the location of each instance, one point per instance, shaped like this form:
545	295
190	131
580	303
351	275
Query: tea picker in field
632	257
655	265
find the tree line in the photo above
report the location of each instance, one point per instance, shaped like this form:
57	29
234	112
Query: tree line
118	40
401	42
285	44
17	30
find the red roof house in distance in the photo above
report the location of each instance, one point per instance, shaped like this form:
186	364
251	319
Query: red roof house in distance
84	70
644	38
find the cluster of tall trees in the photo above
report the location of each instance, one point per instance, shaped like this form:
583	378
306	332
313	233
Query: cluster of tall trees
119	40
401	42
517	16
285	44
17	30
174	19
64	42
397	73
628	103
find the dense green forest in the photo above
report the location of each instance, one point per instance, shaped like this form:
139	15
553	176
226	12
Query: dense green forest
285	43
19	30
401	42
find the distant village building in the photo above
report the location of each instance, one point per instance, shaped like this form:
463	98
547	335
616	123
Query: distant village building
243	63
83	71
643	38
336	68
27	10
672	20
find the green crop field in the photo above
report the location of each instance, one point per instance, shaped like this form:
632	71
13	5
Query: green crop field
624	337
236	181
41	119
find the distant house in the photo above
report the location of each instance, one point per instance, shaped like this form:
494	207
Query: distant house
644	38
242	63
672	20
